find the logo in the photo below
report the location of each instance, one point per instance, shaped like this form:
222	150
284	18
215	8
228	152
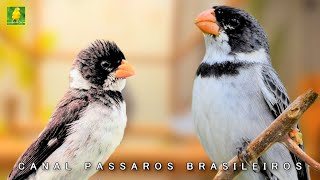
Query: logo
16	16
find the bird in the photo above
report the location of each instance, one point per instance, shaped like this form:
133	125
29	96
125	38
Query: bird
16	14
237	93
89	121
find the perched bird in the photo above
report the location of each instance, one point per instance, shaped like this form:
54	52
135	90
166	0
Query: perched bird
16	15
88	123
237	93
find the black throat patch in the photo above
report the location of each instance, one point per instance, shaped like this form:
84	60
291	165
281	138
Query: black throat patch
107	97
219	69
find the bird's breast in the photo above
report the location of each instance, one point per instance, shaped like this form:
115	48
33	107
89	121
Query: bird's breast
99	130
93	138
225	111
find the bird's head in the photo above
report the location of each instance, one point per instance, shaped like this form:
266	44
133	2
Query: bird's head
17	9
101	65
233	33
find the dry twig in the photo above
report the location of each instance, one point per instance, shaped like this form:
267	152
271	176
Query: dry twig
276	132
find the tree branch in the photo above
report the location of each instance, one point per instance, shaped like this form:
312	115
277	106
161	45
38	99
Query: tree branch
277	132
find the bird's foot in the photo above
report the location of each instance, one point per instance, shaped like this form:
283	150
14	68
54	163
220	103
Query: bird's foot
242	154
296	135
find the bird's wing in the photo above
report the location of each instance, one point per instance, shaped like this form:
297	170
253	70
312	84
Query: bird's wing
277	99
52	136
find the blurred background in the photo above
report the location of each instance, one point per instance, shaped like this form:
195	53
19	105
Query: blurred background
160	39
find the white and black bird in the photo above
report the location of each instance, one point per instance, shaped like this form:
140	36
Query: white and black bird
89	121
237	93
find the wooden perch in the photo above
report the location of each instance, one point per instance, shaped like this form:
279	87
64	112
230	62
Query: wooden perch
277	132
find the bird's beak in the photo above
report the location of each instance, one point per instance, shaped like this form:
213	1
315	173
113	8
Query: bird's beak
125	70
207	22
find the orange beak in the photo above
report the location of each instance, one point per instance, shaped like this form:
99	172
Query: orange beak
125	70
207	22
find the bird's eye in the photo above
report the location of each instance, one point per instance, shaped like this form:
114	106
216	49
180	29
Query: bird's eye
234	22
105	65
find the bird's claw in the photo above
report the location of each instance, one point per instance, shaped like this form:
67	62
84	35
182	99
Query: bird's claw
239	151
296	135
242	154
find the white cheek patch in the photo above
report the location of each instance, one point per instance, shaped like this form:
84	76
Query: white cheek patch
218	50
77	81
114	84
259	56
